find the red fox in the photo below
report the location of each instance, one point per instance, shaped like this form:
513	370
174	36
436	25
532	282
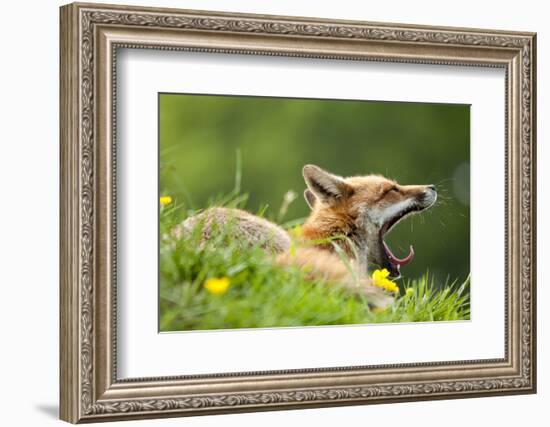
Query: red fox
356	211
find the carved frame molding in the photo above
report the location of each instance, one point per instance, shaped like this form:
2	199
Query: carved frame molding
90	37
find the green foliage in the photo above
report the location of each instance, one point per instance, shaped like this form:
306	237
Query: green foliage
262	294
414	143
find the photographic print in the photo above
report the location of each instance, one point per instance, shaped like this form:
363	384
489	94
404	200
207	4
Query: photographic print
288	212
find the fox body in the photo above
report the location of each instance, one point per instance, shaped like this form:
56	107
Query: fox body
358	211
243	225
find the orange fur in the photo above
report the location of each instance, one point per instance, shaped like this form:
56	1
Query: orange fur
324	265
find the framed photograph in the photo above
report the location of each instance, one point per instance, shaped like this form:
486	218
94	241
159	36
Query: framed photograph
265	212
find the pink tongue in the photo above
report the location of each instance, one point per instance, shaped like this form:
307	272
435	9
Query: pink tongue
396	261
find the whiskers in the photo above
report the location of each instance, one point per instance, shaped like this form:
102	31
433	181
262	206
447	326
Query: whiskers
443	193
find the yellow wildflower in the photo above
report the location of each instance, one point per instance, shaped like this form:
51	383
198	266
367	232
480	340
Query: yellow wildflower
217	286
380	279
165	200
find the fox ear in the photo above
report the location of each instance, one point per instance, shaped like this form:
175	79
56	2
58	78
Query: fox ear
325	186
310	198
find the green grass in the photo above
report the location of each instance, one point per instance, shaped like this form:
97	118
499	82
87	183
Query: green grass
262	294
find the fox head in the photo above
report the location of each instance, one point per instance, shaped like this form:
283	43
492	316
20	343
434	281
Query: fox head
364	209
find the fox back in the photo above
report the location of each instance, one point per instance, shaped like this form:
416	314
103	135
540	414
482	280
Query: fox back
250	229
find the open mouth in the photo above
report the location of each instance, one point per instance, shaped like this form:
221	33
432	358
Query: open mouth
389	259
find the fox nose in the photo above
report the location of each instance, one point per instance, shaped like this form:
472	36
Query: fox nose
429	197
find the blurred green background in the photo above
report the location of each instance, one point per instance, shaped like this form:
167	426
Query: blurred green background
413	143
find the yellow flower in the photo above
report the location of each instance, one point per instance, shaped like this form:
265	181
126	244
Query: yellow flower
217	286
165	200
380	275
380	279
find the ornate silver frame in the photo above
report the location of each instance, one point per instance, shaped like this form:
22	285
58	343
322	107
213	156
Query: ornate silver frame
90	36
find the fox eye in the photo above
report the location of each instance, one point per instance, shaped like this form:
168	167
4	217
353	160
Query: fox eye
393	189
389	190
